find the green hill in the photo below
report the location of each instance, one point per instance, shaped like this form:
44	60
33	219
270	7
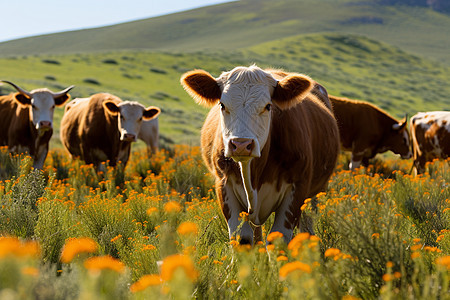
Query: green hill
245	23
348	65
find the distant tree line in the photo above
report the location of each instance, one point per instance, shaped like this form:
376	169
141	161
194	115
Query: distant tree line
438	5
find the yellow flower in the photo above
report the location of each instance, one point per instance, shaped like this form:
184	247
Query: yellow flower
332	252
106	262
187	228
295	244
148	247
172	207
274	236
389	264
376	235
144	282
294	266
151	210
173	262
116	238
75	246
416	247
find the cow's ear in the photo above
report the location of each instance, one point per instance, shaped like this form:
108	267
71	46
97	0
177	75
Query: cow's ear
62	99
151	112
111	108
22	99
202	87
290	90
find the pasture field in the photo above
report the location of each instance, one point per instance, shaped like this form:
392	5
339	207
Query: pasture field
155	231
347	65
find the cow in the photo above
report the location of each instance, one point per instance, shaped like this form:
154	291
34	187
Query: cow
102	127
27	120
367	130
269	142
149	133
430	133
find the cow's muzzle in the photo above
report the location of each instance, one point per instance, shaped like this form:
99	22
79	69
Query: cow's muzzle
44	125
128	137
241	147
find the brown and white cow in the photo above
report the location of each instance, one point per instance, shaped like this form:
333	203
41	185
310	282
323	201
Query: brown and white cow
366	130
430	133
27	120
269	142
101	128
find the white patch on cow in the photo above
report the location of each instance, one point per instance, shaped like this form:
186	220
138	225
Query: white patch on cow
425	120
149	133
246	92
42	108
130	120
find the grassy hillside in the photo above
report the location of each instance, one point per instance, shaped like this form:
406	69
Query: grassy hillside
245	23
351	66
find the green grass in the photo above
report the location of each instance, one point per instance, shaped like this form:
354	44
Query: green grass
348	65
245	23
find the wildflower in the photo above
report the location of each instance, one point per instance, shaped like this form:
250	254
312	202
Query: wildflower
99	263
243	215
294	266
416	240
397	275
144	282
349	297
376	235
439	238
217	262
204	257
282	258
296	242
274	236
172	207
389	264
416	247
388	277
151	210
187	228
233	281
75	246
173	262
331	252
116	238
444	261
148	247
12	246
415	255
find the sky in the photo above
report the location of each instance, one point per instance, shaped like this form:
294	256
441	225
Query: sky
24	18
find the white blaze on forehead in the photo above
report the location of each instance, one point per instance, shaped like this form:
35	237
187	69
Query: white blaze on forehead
42	107
245	94
130	120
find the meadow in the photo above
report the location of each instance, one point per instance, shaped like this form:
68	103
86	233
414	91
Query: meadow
155	231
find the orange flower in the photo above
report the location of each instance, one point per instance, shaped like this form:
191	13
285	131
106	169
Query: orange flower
296	243
376	235
416	247
172	207
13	246
282	258
173	262
144	282
151	210
106	262
294	266
148	247
75	246
332	252
444	261
116	238
274	236
187	228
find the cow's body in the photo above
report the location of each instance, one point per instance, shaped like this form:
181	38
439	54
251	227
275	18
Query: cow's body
283	154
430	133
149	133
92	130
27	121
366	130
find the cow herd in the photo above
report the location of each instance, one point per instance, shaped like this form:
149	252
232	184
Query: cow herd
271	138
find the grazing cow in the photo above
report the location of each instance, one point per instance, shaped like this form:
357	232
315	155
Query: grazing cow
101	128
269	142
367	130
149	133
430	133
27	120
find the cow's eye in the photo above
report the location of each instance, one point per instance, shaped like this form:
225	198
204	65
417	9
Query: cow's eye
140	119
53	107
268	107
222	107
33	106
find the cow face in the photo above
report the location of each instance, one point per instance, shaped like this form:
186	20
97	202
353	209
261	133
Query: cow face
245	96
399	141
130	116
41	104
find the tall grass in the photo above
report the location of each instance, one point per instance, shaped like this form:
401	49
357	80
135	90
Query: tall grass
157	232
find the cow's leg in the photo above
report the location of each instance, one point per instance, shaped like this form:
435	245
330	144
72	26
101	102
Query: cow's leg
356	160
232	208
287	216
